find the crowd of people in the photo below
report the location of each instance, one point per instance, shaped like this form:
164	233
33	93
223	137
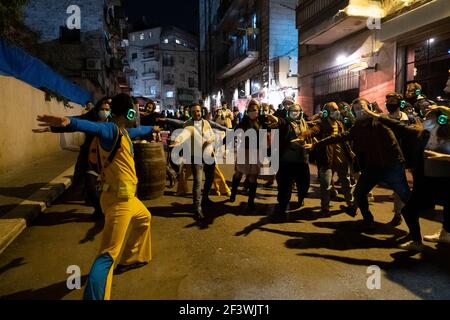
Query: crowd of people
359	142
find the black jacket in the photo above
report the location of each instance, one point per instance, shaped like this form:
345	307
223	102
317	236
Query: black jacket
374	144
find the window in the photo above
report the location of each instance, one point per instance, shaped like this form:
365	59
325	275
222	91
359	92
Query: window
153	90
134	56
166	40
133	38
167	60
191	82
169	94
177	41
182	77
150	34
142	36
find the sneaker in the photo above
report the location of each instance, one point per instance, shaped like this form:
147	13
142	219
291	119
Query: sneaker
199	214
412	246
396	220
350	210
439	237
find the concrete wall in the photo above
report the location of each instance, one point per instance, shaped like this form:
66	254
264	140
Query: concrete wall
283	32
373	85
20	104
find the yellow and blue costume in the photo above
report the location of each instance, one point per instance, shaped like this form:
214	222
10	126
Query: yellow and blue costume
122	209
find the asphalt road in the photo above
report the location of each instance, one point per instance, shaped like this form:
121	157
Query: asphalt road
236	256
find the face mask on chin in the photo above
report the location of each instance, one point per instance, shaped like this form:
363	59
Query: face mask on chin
103	114
293	115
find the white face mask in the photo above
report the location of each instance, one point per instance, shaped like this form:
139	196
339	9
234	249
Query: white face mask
361	114
335	115
294	115
429	125
103	114
252	115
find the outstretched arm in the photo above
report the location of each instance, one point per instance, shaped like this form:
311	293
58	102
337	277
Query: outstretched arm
106	131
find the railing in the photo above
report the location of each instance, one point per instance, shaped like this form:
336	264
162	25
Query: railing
151	74
310	11
242	46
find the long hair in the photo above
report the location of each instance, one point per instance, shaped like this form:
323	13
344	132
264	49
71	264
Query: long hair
246	122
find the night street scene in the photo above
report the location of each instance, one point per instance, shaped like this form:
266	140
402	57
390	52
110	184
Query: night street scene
234	151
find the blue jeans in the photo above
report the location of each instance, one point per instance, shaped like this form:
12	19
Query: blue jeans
394	177
209	178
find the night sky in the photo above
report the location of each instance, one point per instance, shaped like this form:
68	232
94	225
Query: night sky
179	13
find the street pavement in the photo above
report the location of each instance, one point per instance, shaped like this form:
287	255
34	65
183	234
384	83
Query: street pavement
235	255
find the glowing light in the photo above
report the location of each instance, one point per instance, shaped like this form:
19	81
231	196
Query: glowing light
341	58
431	40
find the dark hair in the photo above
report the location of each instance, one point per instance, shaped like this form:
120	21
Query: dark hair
120	104
194	105
396	95
359	100
150	102
101	102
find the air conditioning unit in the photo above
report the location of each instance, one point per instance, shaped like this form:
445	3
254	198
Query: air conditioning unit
93	64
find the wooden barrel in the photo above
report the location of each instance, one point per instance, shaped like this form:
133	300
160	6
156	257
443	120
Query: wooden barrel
150	160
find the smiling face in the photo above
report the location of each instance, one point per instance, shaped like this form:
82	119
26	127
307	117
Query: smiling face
196	113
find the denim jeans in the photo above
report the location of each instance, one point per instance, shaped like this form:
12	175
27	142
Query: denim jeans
325	178
394	177
209	178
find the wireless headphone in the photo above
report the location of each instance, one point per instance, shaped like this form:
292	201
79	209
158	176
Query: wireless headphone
418	92
325	113
442	119
131	114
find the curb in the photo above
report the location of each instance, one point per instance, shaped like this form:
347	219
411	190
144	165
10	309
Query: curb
15	221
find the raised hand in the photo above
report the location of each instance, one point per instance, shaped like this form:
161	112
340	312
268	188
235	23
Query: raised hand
52	121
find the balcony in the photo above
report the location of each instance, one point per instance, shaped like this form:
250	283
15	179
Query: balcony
323	22
229	13
150	75
242	53
150	57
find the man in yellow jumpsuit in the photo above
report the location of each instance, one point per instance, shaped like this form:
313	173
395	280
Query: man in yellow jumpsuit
119	203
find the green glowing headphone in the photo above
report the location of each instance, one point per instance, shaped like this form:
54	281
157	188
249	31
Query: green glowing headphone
131	114
442	119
